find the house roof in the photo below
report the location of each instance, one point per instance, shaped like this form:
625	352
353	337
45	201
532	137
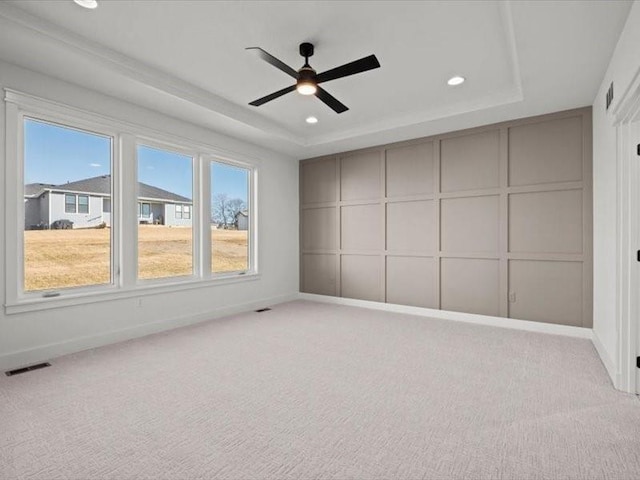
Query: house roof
35	189
101	185
243	212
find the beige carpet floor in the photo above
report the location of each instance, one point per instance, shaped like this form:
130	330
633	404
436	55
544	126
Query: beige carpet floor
315	391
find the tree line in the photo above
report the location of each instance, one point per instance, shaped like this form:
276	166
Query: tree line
225	209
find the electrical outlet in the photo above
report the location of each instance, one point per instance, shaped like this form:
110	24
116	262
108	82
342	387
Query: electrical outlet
512	297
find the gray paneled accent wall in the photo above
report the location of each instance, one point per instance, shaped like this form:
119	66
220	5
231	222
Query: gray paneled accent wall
495	220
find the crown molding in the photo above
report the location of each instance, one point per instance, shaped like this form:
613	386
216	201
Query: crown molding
64	112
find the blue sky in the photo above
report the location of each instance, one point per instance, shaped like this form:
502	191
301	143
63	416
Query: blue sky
58	155
229	180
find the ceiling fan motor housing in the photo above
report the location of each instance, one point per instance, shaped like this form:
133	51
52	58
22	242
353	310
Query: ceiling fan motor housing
306	50
306	75
306	83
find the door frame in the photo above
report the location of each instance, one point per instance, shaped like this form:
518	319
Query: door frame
626	114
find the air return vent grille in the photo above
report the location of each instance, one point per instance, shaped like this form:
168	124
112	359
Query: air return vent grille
609	96
18	371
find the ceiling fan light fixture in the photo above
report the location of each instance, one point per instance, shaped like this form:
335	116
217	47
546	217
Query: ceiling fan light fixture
306	88
306	84
456	80
90	4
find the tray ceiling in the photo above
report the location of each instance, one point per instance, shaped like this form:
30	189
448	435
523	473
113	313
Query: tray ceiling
187	59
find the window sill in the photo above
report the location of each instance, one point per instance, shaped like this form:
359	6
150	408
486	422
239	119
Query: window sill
73	298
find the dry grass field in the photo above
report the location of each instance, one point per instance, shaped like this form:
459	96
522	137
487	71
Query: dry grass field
72	258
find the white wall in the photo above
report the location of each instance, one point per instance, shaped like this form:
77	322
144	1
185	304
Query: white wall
624	65
80	220
44	208
170	216
39	335
32	212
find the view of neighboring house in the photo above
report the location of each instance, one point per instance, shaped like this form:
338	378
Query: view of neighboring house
87	203
242	220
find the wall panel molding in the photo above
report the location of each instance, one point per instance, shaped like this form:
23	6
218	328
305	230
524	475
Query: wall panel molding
495	220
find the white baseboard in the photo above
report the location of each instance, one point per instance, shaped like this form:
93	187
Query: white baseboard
607	361
42	353
566	330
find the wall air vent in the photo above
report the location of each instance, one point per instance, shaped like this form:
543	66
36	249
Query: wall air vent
18	371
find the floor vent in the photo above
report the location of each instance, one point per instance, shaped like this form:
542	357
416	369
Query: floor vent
18	371
260	310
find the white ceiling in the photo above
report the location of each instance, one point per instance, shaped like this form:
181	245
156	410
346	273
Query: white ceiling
187	59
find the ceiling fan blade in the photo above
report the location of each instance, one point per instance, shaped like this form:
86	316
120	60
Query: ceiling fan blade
330	100
357	66
279	64
273	96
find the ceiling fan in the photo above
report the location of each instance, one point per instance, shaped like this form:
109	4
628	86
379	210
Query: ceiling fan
307	79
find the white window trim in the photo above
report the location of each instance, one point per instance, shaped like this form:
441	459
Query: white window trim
252	185
187	151
124	219
75	202
88	204
16	115
141	205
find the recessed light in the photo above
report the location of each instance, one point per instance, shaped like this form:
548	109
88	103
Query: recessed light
311	120
91	4
457	80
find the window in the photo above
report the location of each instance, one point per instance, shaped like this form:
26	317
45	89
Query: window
69	203
183	212
83	204
61	250
230	215
81	231
76	203
144	210
165	247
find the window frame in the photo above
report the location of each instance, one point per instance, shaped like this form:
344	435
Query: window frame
179	211
252	179
16	293
67	204
141	205
76	196
125	136
78	204
184	150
